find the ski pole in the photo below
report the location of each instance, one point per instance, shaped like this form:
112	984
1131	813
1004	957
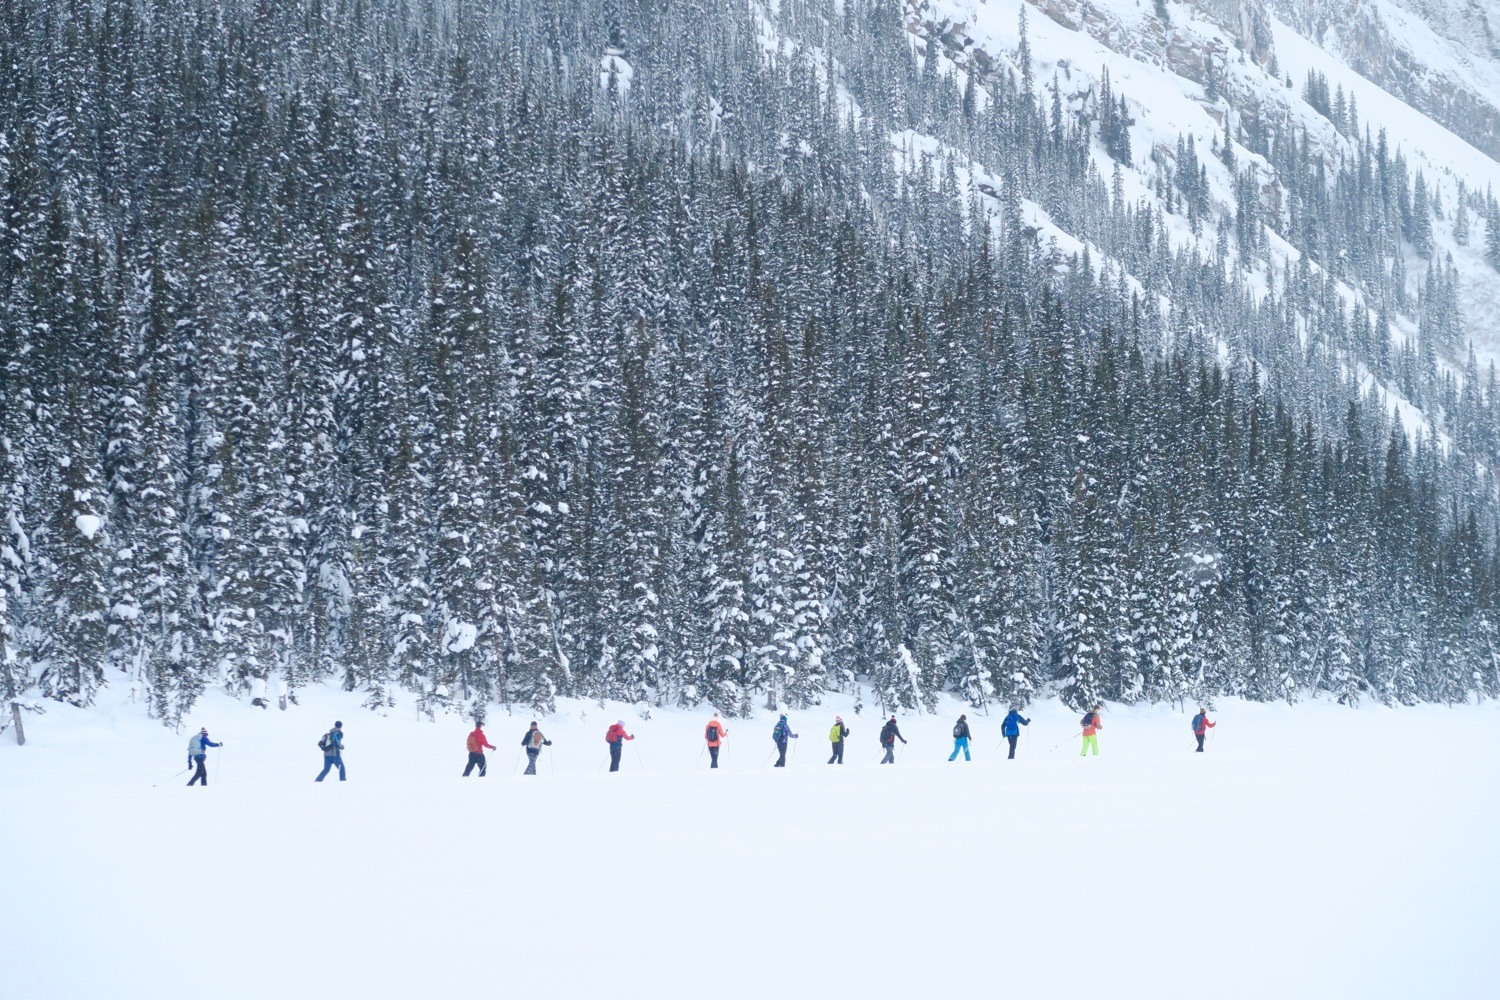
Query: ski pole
516	764
219	767
1068	740
638	758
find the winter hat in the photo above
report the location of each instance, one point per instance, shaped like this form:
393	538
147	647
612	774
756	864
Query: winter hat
961	718
893	718
619	722
338	725
783	716
533	725
204	730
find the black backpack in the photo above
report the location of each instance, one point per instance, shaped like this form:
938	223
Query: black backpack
958	730
325	743
712	733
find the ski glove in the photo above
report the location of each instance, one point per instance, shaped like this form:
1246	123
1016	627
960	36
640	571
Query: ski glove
546	743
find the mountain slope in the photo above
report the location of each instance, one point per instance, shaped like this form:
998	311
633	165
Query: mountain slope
1439	56
1211	64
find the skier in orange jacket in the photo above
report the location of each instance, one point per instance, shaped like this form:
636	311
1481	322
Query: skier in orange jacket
1091	726
714	733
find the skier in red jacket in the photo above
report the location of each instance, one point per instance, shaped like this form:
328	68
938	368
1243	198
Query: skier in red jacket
616	738
477	746
1201	726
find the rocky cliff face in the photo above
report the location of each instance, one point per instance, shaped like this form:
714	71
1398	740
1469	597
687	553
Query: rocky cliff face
1413	73
1440	56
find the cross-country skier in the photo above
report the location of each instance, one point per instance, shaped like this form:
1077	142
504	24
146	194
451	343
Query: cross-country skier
714	733
1201	726
960	738
780	735
333	751
1091	726
616	738
1011	729
533	741
837	735
889	734
198	745
477	744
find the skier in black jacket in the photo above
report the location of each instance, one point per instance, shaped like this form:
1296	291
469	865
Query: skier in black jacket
889	734
533	741
960	738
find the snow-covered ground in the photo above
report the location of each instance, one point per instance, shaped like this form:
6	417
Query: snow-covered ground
1314	851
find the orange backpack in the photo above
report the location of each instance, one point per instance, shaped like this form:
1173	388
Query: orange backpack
473	743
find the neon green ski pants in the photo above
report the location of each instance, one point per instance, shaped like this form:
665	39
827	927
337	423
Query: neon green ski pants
1089	740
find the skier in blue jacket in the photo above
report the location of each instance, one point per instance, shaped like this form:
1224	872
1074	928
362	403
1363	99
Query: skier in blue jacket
333	752
780	735
1011	729
198	745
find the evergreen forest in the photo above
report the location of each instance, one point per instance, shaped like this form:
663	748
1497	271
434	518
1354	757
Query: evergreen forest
498	351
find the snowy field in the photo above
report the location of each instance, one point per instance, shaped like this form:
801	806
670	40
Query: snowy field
1313	851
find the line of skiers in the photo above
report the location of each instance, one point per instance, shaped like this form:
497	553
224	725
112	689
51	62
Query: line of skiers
1010	727
714	734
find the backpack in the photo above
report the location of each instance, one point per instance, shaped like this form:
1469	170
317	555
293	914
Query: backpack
712	732
473	743
1088	720
836	734
326	743
958	730
1197	720
779	733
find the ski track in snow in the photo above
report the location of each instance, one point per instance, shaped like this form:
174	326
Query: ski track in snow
1314	851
